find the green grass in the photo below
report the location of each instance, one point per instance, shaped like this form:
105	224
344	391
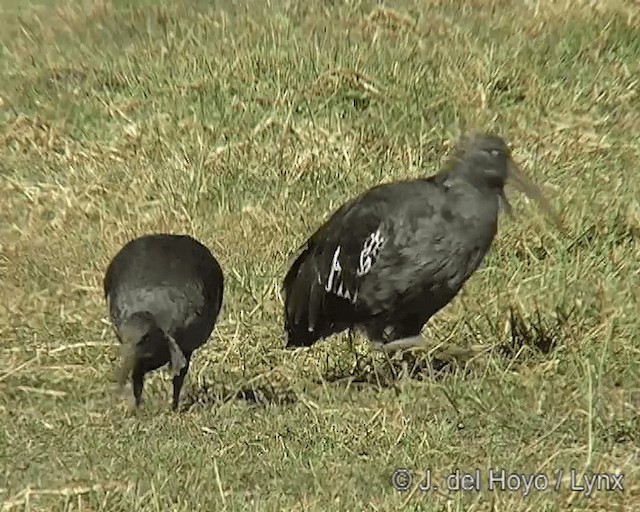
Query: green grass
245	125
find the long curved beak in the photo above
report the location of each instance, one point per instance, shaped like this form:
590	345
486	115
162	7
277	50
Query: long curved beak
505	204
127	361
526	186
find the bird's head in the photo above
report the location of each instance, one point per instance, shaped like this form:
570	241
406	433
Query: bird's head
140	336
485	160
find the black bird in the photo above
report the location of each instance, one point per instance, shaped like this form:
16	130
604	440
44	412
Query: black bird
389	259
164	293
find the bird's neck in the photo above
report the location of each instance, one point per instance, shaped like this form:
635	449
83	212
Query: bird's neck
473	202
456	185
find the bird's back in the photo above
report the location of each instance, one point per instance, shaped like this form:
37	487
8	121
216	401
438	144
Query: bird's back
438	240
174	277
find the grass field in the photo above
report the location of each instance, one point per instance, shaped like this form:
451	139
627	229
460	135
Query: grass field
245	124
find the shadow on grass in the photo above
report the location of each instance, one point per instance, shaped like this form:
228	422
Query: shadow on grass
262	395
386	373
528	337
535	334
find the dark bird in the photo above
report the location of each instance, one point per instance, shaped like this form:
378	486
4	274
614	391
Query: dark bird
388	260
164	293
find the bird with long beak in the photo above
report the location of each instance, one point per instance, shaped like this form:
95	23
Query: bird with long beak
386	261
164	293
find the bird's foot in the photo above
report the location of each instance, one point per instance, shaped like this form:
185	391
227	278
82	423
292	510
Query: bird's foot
177	361
405	372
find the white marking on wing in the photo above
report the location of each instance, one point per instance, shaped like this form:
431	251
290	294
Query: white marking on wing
370	249
335	270
334	283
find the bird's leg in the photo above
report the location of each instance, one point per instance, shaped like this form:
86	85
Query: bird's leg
177	360
178	380
461	354
390	354
412	342
400	345
138	384
356	366
378	345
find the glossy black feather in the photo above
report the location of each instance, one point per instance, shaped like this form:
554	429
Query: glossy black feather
432	234
175	285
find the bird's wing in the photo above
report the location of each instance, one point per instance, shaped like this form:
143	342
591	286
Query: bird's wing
321	286
343	252
347	247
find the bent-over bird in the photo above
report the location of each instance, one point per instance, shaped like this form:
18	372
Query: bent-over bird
388	260
164	293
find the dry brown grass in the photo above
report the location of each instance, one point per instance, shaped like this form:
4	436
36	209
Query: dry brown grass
245	125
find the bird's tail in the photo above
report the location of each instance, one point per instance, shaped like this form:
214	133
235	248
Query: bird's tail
305	319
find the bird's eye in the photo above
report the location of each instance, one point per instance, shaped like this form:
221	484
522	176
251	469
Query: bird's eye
494	152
